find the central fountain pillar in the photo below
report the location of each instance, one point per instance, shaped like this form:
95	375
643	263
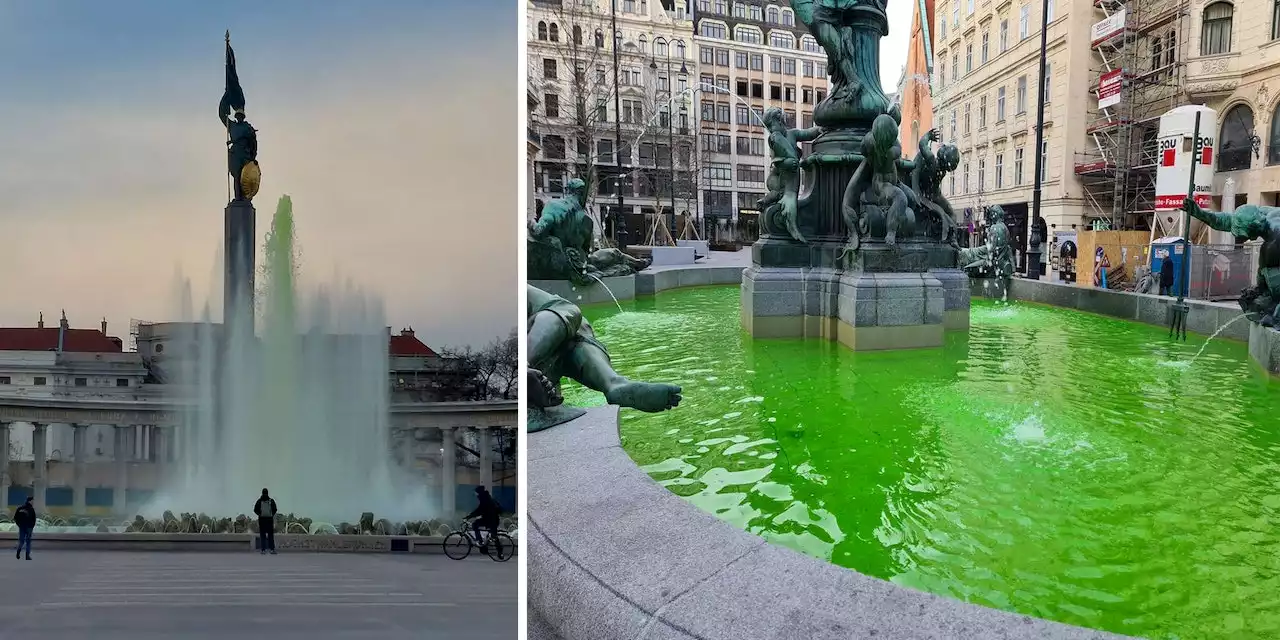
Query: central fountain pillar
237	242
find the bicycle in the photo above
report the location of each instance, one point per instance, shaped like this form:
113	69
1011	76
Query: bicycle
458	544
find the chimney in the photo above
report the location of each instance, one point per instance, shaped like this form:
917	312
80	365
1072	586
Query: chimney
104	325
62	330
40	323
408	333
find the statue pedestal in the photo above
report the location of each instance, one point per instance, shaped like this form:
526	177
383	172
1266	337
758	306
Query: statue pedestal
877	298
1033	265
1264	347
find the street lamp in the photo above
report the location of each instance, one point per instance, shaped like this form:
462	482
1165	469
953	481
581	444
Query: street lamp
671	144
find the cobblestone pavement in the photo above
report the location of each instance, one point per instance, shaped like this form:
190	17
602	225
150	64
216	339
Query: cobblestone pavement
66	595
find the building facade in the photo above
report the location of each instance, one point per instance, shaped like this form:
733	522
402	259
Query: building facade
915	91
572	62
1233	67
532	147
752	55
986	74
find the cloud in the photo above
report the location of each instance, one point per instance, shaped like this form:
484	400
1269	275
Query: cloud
401	168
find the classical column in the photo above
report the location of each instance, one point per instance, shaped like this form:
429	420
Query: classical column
4	465
77	469
448	472
121	457
486	461
38	450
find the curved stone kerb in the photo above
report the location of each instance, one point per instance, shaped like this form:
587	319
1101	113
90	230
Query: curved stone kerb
612	554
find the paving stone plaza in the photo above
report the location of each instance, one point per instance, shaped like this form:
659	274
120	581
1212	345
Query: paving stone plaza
116	594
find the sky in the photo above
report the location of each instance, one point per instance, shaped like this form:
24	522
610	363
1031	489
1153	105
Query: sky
893	47
392	124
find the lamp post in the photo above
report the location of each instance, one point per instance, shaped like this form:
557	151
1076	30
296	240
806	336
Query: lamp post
671	141
1033	271
619	231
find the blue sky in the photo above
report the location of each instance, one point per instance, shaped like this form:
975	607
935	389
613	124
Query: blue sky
381	119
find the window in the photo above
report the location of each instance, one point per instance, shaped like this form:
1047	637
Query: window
744	116
753	12
965	170
1017	166
757	62
714	30
599	39
718	175
707	55
750	173
771	15
1000	104
999	170
952	191
722	112
660	48
749	35
806	95
1048	17
1048	83
982	174
1215	33
986	48
577	35
954	133
740	59
955	67
604	151
968	7
551	103
966	119
982	113
722	57
549	68
788	18
1022	95
1024	22
807	43
1004	35
775	64
782	40
1157	52
757	90
789	66
806	68
1044	161
542	31
39	381
942	73
82	382
942	29
5	380
968	58
644	44
1235	146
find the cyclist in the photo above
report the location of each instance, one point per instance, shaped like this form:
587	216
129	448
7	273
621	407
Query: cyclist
486	516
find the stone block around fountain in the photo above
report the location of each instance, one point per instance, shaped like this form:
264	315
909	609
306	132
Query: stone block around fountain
1264	347
621	287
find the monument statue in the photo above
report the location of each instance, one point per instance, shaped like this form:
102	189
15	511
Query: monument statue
562	345
849	31
876	182
242	138
778	207
559	243
1260	303
927	173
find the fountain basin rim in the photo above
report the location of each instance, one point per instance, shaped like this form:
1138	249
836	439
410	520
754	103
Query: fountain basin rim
630	554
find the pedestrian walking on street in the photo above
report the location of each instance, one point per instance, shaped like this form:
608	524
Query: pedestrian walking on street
25	518
265	509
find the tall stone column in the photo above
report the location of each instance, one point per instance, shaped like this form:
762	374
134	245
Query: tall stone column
4	465
121	458
486	459
77	469
448	473
39	433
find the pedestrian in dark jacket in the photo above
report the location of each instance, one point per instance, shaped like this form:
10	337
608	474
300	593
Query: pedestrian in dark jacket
265	509
1166	276
25	518
486	516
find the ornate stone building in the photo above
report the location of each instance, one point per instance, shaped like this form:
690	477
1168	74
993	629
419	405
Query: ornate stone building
914	90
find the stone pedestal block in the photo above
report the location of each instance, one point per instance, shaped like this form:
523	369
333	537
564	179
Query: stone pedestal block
955	294
1264	347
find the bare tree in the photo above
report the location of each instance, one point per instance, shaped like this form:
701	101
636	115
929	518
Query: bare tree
489	373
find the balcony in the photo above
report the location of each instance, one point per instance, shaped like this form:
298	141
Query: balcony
533	137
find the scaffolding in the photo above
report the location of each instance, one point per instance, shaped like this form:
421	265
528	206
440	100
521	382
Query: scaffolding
1142	55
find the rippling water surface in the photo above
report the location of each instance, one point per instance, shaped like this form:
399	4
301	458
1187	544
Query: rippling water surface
1049	462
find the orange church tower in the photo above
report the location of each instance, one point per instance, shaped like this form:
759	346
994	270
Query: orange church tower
914	89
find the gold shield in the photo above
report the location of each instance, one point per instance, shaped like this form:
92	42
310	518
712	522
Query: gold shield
250	179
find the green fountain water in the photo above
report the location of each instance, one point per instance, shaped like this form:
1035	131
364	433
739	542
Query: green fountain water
1049	462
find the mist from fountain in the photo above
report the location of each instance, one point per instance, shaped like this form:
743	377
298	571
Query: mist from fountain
300	408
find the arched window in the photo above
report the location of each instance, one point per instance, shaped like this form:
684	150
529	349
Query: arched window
788	18
680	49
599	39
1273	148
1235	144
542	31
555	32
644	44
1215	32
771	15
577	35
809	44
659	47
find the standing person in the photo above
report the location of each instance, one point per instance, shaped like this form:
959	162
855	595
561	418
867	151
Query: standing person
25	518
265	509
486	516
1166	275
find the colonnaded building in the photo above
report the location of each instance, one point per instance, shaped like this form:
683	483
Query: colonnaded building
88	422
